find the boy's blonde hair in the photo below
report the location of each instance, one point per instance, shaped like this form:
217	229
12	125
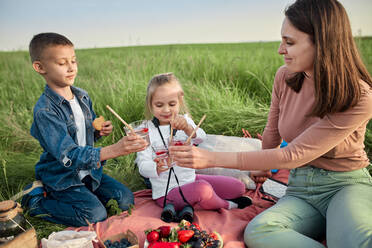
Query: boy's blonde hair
157	81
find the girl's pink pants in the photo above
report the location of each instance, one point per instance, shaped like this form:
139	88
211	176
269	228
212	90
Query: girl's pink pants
207	192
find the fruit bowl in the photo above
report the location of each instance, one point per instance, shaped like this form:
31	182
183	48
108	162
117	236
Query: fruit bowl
186	234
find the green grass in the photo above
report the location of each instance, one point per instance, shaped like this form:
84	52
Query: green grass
231	83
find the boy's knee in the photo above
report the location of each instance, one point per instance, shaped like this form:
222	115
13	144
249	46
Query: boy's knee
95	214
125	199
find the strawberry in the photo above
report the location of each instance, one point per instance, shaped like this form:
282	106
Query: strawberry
213	236
155	244
164	231
174	245
165	245
152	236
196	226
185	235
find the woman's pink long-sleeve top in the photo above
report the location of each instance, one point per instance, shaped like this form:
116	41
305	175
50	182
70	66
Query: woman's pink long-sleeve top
335	142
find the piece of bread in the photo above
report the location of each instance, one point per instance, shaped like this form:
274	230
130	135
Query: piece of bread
97	123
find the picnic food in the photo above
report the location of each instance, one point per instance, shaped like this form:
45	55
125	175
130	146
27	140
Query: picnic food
185	235
153	236
97	123
123	243
165	245
164	231
126	239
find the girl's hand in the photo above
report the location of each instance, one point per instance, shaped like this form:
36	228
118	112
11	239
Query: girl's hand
191	156
260	176
180	123
106	128
160	165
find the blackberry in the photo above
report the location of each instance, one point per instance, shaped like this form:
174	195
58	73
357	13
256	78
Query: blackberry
216	242
198	244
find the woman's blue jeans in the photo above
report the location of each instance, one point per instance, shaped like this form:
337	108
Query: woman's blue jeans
75	205
318	204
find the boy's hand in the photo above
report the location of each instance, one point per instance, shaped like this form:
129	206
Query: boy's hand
106	128
260	176
180	123
125	146
132	143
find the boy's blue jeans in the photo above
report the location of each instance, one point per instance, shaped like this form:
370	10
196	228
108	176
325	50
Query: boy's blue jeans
318	204
75	205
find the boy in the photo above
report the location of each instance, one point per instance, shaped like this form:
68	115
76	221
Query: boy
70	168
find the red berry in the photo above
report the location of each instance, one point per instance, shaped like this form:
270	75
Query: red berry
213	236
165	245
164	231
196	226
153	236
185	235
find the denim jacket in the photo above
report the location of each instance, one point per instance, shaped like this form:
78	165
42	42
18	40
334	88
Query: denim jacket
55	129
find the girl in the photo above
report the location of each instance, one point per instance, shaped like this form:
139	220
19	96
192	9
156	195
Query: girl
165	98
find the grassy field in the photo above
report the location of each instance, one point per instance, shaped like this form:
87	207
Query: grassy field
231	83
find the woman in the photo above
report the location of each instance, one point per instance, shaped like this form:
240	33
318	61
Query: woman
321	105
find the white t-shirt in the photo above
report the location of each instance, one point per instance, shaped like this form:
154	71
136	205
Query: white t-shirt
81	130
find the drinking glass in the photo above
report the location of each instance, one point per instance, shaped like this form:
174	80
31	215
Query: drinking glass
140	128
160	151
177	141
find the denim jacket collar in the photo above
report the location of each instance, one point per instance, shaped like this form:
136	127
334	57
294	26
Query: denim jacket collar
57	99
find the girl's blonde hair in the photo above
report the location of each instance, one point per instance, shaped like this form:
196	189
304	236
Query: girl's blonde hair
157	81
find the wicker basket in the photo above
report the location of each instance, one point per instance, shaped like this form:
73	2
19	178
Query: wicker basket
132	238
26	239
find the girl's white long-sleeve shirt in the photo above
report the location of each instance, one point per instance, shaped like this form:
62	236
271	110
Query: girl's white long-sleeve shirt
147	166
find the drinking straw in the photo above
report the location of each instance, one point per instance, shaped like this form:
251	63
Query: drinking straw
195	129
118	116
90	227
171	131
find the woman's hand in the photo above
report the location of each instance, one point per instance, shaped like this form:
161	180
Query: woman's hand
106	128
191	157
260	176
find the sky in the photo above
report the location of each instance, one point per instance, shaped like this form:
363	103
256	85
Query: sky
110	23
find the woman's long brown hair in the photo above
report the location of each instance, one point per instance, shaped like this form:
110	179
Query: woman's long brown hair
338	67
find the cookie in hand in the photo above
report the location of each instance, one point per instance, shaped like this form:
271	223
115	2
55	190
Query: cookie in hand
97	123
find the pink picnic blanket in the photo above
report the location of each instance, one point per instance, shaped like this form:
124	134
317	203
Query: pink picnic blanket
146	215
